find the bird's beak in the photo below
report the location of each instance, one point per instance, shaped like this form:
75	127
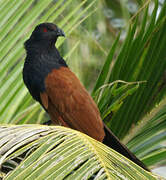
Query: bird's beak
60	32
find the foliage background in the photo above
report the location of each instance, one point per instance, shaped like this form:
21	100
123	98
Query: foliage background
91	28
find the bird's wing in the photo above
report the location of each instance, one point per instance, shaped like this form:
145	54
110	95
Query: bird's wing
66	96
44	99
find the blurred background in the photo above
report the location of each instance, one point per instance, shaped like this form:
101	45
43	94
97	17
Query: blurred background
95	36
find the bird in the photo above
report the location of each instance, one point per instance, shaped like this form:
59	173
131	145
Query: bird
51	82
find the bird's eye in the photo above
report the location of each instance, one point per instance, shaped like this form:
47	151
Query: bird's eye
45	30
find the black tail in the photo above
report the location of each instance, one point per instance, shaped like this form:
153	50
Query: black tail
113	142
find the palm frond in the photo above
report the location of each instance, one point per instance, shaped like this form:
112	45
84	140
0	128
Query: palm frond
141	58
147	139
42	152
16	26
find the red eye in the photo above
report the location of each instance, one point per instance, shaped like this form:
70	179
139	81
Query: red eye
45	30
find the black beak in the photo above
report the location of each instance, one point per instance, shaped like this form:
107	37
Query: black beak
60	32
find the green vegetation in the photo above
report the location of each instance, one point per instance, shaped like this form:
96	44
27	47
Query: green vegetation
118	51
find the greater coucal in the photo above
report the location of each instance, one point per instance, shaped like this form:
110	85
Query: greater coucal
59	91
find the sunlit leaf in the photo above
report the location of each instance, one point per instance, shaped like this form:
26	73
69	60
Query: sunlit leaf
56	153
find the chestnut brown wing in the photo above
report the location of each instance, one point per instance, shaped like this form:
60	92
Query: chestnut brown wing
69	99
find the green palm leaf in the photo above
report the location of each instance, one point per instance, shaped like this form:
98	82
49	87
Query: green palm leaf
141	58
16	27
147	140
42	152
121	98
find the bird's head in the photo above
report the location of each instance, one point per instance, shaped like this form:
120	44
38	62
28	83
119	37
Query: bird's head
47	32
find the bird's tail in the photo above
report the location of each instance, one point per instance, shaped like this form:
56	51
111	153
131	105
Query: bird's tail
113	142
